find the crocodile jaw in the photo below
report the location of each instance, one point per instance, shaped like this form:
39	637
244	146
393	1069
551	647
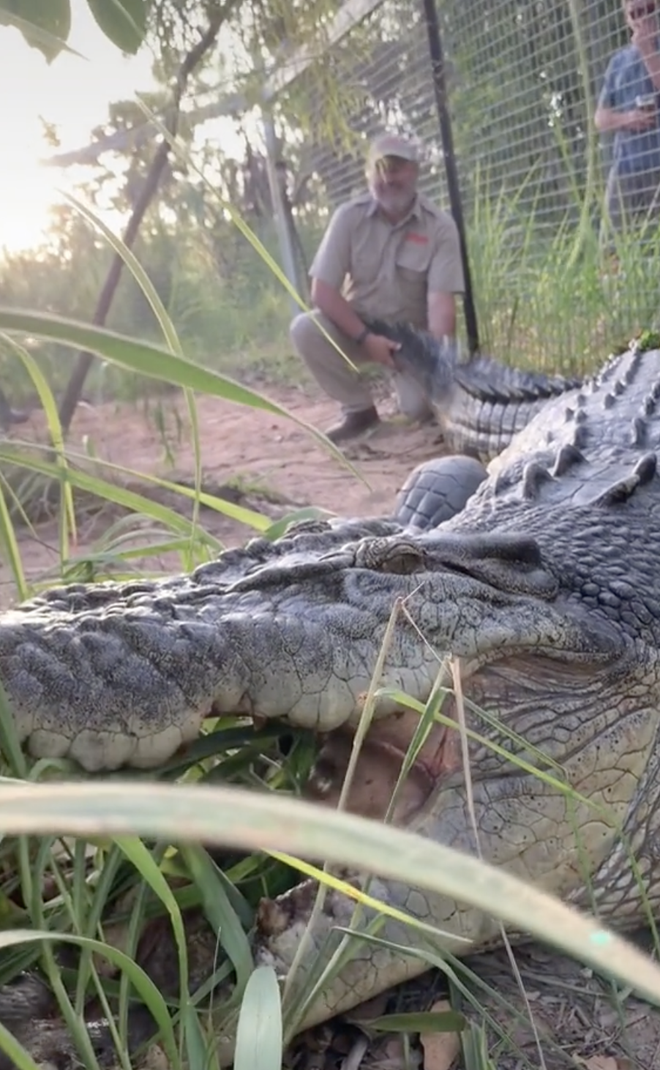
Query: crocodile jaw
565	720
131	680
558	832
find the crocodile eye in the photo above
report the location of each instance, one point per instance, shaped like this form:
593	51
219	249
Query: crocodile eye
403	562
384	555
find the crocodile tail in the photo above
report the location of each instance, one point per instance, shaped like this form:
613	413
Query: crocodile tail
428	361
491	381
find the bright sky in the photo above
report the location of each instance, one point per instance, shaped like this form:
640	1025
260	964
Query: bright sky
73	94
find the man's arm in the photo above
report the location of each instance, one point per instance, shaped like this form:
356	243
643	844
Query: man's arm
329	269
332	304
652	64
607	117
445	281
441	314
609	120
644	37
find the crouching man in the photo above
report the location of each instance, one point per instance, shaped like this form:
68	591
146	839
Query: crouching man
390	254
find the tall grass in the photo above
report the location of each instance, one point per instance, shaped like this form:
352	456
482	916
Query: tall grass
546	297
550	297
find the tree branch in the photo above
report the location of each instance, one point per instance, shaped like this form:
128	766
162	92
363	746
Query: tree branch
216	17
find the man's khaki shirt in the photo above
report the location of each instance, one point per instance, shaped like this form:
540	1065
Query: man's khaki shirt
387	270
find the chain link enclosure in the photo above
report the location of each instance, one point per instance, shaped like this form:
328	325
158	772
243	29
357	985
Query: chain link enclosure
523	77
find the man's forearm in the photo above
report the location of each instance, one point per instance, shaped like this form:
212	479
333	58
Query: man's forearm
651	61
337	309
442	315
607	120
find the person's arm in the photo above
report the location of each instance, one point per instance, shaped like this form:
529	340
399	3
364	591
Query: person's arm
332	304
329	269
445	281
329	300
645	36
608	118
441	314
652	64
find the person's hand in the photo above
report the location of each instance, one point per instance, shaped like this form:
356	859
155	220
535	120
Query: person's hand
644	34
639	119
380	349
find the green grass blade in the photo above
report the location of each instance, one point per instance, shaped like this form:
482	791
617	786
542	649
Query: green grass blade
199	1054
17	1054
57	437
146	866
259	1031
241	513
142	983
219	912
10	549
154	362
161	314
417	1022
249	820
129	499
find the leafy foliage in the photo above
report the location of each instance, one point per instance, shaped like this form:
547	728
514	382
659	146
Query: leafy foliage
124	22
46	25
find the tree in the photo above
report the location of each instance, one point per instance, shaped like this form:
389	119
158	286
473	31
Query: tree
257	28
47	25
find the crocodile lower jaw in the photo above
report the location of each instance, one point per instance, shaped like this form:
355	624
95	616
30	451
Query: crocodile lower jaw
379	766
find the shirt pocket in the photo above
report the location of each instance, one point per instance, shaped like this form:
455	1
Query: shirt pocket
412	266
366	268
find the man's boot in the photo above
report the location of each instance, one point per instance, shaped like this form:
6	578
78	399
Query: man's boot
353	424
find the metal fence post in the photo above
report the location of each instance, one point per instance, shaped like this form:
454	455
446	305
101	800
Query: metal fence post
285	238
453	185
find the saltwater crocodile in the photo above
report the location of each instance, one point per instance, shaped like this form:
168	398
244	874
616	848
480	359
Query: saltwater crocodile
478	405
546	590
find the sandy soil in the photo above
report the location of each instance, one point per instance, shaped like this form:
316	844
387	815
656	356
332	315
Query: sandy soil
258	453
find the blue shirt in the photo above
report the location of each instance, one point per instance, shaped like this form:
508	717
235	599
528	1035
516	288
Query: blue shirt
626	78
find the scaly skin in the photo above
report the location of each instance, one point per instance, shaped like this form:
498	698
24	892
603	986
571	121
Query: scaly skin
479	405
104	674
546	587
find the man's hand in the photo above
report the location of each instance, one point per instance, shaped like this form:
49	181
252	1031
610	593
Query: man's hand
639	119
379	349
645	33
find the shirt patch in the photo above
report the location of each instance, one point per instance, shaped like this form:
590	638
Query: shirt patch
419	239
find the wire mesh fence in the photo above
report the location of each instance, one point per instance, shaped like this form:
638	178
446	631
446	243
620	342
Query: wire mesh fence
554	284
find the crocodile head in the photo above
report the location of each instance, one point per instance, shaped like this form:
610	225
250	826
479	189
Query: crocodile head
559	705
545	599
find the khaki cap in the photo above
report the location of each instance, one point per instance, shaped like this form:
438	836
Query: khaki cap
393	145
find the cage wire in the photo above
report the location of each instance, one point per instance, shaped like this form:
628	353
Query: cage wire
523	79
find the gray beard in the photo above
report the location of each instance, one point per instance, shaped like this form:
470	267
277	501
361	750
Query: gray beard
397	203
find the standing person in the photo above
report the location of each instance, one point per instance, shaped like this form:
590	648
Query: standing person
628	108
389	253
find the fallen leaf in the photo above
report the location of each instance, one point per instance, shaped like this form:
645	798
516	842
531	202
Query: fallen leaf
602	1062
440	1049
371	1008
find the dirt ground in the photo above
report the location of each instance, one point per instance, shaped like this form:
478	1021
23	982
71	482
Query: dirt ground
259	454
